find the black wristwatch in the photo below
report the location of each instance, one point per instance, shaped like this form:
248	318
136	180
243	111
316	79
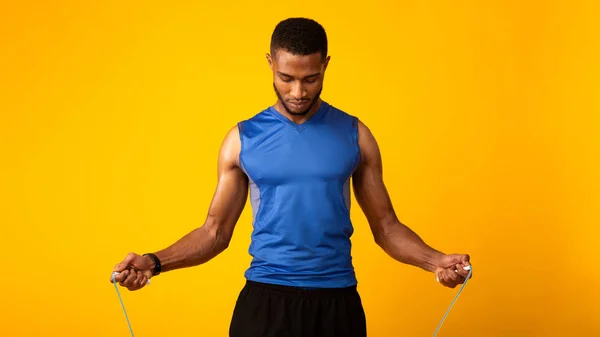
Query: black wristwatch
157	266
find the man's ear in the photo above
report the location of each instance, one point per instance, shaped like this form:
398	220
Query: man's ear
270	60
326	62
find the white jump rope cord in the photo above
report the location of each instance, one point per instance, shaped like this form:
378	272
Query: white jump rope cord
114	275
469	268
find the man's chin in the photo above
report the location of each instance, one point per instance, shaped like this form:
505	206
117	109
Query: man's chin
297	112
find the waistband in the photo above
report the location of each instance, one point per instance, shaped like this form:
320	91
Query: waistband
299	291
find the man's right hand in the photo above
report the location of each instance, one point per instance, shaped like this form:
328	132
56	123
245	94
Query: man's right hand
134	271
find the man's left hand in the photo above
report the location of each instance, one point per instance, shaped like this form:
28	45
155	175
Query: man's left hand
451	270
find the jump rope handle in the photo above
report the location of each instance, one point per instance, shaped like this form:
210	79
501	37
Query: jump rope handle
470	269
114	275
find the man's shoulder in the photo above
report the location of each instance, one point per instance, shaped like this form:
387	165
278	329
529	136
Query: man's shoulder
256	118
257	115
336	109
342	115
255	123
363	131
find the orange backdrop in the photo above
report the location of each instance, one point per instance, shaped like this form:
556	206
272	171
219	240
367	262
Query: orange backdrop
111	115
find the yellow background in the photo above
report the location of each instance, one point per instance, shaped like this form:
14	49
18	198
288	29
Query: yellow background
112	112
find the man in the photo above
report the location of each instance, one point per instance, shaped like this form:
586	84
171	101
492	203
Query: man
296	158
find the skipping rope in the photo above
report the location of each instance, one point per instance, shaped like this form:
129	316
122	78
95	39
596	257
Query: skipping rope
121	300
470	268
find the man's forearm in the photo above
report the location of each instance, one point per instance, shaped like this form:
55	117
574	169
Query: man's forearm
197	247
404	245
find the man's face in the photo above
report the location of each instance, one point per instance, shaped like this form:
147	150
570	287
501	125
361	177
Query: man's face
297	79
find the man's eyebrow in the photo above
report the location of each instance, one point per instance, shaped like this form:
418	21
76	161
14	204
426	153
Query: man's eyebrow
286	75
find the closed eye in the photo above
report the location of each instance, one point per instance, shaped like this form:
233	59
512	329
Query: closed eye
288	78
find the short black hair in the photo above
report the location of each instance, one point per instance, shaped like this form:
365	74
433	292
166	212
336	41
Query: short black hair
299	36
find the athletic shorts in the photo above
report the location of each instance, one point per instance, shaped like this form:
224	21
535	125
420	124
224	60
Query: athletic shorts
267	310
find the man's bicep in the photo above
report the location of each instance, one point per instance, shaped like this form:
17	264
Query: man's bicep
369	188
231	192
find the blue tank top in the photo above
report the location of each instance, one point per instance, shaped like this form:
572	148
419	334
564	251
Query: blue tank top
299	178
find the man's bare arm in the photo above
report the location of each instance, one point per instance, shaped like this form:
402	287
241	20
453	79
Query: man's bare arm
395	238
229	199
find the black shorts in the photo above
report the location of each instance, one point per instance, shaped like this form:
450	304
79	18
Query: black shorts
266	310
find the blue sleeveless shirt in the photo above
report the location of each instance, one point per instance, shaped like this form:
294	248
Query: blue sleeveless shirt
299	178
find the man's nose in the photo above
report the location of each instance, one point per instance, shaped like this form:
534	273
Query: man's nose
297	91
